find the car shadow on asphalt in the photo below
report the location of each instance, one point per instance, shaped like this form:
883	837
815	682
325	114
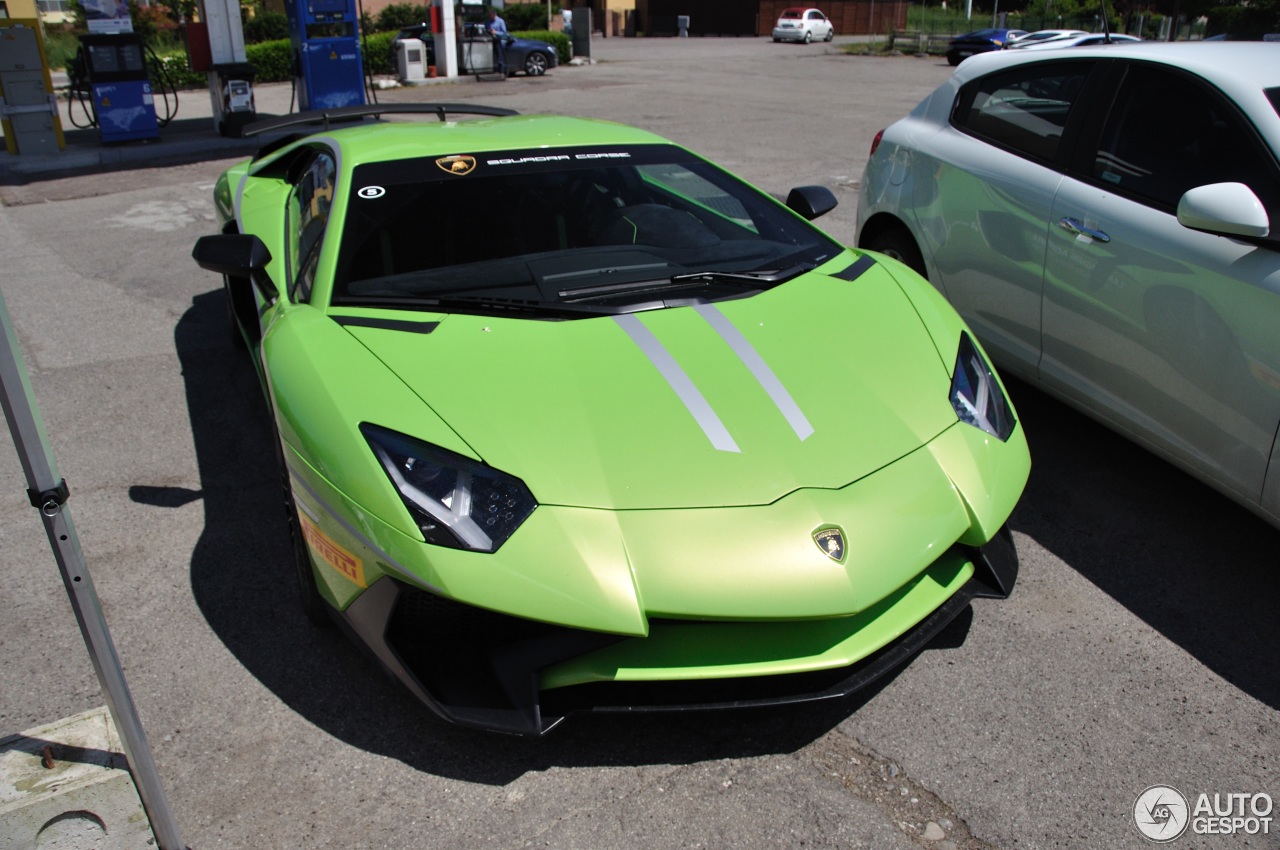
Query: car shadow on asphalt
1191	563
242	582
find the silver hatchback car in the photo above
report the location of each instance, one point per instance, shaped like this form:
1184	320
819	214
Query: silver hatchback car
1101	217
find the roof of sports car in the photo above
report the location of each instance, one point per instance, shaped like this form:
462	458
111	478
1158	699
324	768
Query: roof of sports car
400	139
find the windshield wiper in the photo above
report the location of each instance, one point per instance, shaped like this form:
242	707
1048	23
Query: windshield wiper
773	276
484	305
747	279
498	306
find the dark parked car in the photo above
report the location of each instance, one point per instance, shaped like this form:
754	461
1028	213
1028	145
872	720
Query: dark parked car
522	54
980	41
526	54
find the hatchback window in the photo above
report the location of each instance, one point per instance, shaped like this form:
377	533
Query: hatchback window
1168	133
1025	109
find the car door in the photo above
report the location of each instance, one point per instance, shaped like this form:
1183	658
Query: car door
310	177
1168	333
984	204
816	23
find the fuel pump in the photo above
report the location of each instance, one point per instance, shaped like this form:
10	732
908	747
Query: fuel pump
328	70
112	67
475	47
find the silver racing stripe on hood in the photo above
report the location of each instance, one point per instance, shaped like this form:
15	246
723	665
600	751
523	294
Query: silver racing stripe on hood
680	383
697	405
759	369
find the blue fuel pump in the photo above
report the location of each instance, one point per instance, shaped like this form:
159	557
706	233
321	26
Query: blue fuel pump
328	69
115	70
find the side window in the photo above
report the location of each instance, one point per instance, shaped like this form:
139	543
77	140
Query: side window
1025	109
1168	133
309	204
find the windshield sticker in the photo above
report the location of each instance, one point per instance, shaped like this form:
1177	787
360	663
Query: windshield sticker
371	192
458	164
561	157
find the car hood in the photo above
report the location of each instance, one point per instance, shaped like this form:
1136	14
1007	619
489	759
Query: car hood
815	383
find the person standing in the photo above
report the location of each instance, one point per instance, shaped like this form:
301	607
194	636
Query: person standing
498	29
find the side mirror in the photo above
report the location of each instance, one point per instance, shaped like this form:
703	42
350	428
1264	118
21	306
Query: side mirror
1227	209
811	201
242	262
237	255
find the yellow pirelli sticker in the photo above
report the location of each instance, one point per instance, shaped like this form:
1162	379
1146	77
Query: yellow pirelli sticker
327	549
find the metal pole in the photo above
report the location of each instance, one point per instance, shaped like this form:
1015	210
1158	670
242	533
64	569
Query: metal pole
48	493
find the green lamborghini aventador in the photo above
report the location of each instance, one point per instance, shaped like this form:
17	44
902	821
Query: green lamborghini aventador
571	419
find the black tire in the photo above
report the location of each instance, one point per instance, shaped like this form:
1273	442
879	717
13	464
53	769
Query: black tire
808	37
831	33
312	603
535	65
898	243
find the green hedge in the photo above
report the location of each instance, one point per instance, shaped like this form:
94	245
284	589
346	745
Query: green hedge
272	60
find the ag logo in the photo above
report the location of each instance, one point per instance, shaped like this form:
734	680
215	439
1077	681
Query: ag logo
1161	813
460	164
831	541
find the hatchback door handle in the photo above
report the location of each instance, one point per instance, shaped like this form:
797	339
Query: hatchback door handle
1076	226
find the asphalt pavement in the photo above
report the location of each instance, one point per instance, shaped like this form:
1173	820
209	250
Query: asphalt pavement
1137	648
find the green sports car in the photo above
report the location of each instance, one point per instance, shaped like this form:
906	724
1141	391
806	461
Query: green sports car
571	419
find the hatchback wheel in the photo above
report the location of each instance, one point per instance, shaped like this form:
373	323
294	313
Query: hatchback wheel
897	242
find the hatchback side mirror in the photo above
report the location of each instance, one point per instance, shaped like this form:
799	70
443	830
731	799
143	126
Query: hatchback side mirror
1227	209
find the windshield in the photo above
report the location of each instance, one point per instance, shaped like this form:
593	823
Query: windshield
573	226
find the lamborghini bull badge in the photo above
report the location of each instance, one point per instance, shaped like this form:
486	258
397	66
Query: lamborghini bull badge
831	542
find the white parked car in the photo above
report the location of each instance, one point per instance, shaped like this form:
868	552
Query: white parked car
1088	39
803	25
1103	219
1041	36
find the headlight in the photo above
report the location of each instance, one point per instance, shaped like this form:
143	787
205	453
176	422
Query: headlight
976	394
455	501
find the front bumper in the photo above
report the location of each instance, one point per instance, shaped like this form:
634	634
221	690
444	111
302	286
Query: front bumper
488	670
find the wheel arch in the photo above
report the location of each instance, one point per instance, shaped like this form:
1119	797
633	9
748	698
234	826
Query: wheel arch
881	226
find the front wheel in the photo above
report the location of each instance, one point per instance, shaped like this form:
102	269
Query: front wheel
831	33
535	65
897	243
